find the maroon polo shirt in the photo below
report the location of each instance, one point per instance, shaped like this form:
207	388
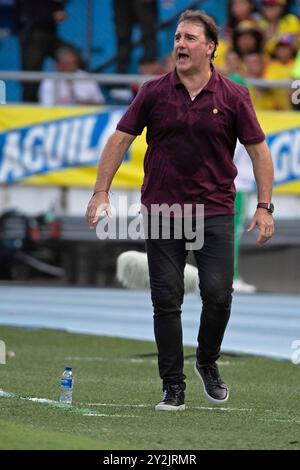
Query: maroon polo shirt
189	159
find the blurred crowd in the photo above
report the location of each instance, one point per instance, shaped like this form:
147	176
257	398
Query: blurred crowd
259	40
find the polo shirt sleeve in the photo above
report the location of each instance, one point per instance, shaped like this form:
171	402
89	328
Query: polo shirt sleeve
249	130
135	118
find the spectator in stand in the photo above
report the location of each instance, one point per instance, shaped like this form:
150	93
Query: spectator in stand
247	38
275	22
233	68
263	98
126	15
66	92
282	64
37	28
283	59
237	11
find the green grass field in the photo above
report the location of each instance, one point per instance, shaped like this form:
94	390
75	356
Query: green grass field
116	387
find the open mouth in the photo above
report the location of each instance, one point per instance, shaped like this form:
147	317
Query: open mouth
182	56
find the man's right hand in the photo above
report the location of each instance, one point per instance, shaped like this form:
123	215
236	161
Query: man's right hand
98	203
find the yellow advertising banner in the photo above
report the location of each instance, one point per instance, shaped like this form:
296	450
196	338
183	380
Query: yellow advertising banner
61	146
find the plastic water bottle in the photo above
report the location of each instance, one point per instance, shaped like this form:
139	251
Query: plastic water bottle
66	386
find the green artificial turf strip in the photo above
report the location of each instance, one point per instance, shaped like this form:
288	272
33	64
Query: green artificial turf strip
262	410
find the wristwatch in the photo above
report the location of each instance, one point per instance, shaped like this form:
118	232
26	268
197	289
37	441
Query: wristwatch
269	206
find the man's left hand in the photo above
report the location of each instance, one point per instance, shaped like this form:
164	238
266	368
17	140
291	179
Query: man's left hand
265	223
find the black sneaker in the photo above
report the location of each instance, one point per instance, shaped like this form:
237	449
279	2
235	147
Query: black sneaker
214	388
173	399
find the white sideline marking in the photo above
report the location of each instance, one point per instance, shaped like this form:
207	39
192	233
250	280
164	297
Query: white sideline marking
139	360
110	359
110	416
118	405
57	404
40	400
126	405
85	412
217	408
280	420
4	394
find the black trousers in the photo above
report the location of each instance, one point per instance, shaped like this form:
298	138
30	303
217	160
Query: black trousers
166	260
126	15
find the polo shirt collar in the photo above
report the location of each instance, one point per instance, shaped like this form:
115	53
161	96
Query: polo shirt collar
211	85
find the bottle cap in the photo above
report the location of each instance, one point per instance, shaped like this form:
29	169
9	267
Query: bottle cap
68	368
